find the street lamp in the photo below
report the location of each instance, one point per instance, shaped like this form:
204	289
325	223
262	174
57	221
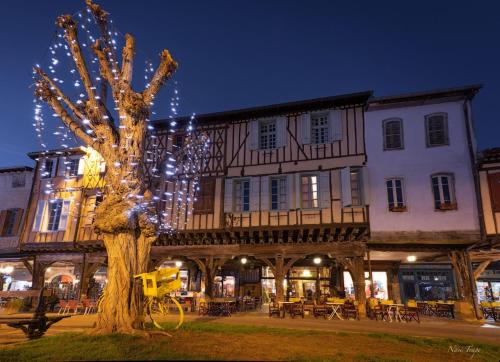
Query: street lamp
411	258
243	260
317	260
178	263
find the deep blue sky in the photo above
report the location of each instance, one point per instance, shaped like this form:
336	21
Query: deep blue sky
236	54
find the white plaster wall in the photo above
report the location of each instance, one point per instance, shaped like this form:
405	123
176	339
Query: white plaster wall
416	162
13	197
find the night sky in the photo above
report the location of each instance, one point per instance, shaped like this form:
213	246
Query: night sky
236	54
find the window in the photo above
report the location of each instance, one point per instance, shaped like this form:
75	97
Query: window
444	193
494	183
242	195
54	210
71	167
395	194
309	185
46	169
205	196
18	180
278	193
393	134
267	135
356	195
51	215
178	140
319	128
9	224
436	129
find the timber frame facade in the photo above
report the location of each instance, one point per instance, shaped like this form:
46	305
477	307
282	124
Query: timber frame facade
280	185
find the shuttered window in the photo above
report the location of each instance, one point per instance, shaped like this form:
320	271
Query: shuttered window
71	167
205	196
279	194
309	191
241	195
437	129
356	195
319	128
267	135
11	222
494	184
393	134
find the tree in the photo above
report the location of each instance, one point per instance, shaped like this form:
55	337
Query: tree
122	219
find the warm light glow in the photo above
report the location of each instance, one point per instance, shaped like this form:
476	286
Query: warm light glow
178	263
317	261
244	260
49	270
306	273
411	258
7	270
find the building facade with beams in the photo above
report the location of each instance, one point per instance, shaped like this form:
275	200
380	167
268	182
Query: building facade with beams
285	205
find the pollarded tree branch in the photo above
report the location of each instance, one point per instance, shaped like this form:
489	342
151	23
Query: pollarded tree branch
165	70
44	91
127	60
60	94
70	34
105	68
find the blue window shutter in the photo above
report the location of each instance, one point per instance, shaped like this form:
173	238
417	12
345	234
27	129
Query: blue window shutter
324	188
228	195
345	178
254	135
335	125
305	128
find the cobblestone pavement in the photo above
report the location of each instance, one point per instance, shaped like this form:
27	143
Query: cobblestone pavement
429	327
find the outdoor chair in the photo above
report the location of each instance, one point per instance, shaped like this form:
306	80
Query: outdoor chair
350	309
409	312
202	308
374	309
488	310
297	309
320	310
63	307
422	308
274	309
73	305
444	310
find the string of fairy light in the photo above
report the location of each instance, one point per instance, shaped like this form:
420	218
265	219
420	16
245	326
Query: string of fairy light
179	172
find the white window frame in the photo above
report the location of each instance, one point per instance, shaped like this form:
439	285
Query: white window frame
312	202
42	216
356	186
396	203
443	205
446	140
317	136
384	133
67	167
282	193
239	200
264	135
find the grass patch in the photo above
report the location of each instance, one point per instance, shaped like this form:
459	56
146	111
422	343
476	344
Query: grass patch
204	340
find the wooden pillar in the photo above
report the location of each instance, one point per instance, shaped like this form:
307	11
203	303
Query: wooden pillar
38	276
370	275
208	267
466	307
279	269
393	283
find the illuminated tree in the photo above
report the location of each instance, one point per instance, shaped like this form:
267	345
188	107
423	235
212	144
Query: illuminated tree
127	220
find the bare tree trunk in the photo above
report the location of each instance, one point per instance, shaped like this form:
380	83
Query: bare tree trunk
121	308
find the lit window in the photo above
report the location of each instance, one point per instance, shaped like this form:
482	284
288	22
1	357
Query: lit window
71	167
267	134
54	210
437	129
395	194
393	134
309	191
278	194
319	128
444	192
242	195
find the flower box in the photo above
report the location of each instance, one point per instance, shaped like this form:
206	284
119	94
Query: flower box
397	209
448	206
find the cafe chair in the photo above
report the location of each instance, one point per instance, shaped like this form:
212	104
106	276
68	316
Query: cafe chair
274	309
297	309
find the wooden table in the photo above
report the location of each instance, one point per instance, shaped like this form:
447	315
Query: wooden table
394	308
335	310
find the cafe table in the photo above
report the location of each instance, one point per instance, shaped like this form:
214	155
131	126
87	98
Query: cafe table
395	309
336	307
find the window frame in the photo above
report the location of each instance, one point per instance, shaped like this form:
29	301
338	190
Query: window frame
268	133
57	216
9	222
395	207
446	136
359	185
44	174
235	196
68	169
444	206
279	194
16	178
309	192
401	133
202	195
326	127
